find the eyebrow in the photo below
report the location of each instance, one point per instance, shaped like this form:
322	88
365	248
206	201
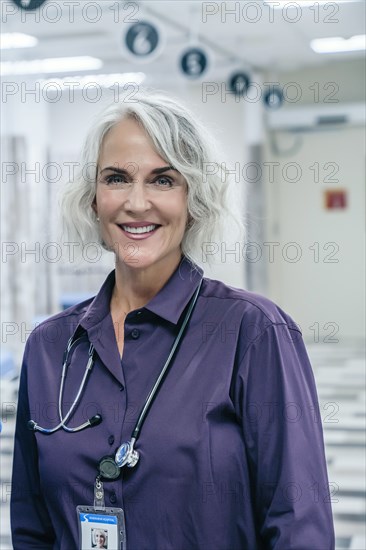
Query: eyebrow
123	171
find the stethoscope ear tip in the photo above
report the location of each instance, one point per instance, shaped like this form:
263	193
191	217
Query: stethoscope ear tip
95	420
32	425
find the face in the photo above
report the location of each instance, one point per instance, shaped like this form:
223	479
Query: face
99	539
140	200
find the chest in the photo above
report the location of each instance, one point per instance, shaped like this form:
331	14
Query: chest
119	329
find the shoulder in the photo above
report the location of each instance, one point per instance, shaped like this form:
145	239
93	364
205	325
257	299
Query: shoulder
253	308
60	326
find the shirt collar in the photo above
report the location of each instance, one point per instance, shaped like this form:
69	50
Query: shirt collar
169	303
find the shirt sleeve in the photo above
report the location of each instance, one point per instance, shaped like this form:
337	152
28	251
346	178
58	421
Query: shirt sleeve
277	403
30	521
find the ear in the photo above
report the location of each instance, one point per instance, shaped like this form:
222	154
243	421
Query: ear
189	220
94	205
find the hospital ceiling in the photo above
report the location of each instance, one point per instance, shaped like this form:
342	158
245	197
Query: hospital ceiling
264	36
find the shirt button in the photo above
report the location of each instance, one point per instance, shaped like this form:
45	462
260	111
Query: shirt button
111	439
135	333
113	498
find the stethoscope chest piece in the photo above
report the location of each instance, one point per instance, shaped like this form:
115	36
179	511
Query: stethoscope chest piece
108	468
126	455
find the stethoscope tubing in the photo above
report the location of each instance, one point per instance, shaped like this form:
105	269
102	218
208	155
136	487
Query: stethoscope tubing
154	390
63	419
88	369
91	360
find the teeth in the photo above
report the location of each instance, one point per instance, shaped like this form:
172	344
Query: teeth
145	229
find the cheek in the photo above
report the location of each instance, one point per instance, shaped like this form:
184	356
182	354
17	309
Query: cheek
180	219
179	210
106	204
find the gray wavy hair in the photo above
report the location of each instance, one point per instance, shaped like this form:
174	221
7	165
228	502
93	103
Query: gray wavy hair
184	143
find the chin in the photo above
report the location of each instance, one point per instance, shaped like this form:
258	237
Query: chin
144	260
136	260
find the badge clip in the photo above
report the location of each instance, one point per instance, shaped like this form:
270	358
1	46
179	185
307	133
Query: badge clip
99	503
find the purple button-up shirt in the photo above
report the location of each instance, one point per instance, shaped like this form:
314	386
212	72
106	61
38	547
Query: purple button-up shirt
231	451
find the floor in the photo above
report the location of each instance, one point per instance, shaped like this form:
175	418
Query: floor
340	375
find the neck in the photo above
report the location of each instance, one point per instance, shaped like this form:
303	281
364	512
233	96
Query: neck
134	288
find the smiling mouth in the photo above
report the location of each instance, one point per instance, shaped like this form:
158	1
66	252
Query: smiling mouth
139	230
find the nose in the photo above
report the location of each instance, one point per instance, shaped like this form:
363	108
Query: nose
137	197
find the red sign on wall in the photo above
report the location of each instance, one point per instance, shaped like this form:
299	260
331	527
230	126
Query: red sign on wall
335	199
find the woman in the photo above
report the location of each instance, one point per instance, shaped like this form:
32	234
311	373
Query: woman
99	538
230	453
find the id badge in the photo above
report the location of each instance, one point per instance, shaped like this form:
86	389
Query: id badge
101	528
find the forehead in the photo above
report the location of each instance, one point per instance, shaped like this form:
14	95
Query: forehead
127	138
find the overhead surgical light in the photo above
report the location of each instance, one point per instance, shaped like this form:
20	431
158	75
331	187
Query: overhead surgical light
102	80
11	40
50	65
336	44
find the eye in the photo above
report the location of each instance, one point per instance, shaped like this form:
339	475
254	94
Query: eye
115	178
164	181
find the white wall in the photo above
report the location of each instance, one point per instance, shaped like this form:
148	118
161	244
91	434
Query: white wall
326	296
327	283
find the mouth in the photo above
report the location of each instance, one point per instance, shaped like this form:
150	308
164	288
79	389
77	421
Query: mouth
139	232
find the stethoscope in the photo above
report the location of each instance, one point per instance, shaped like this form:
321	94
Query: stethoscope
126	454
94	420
